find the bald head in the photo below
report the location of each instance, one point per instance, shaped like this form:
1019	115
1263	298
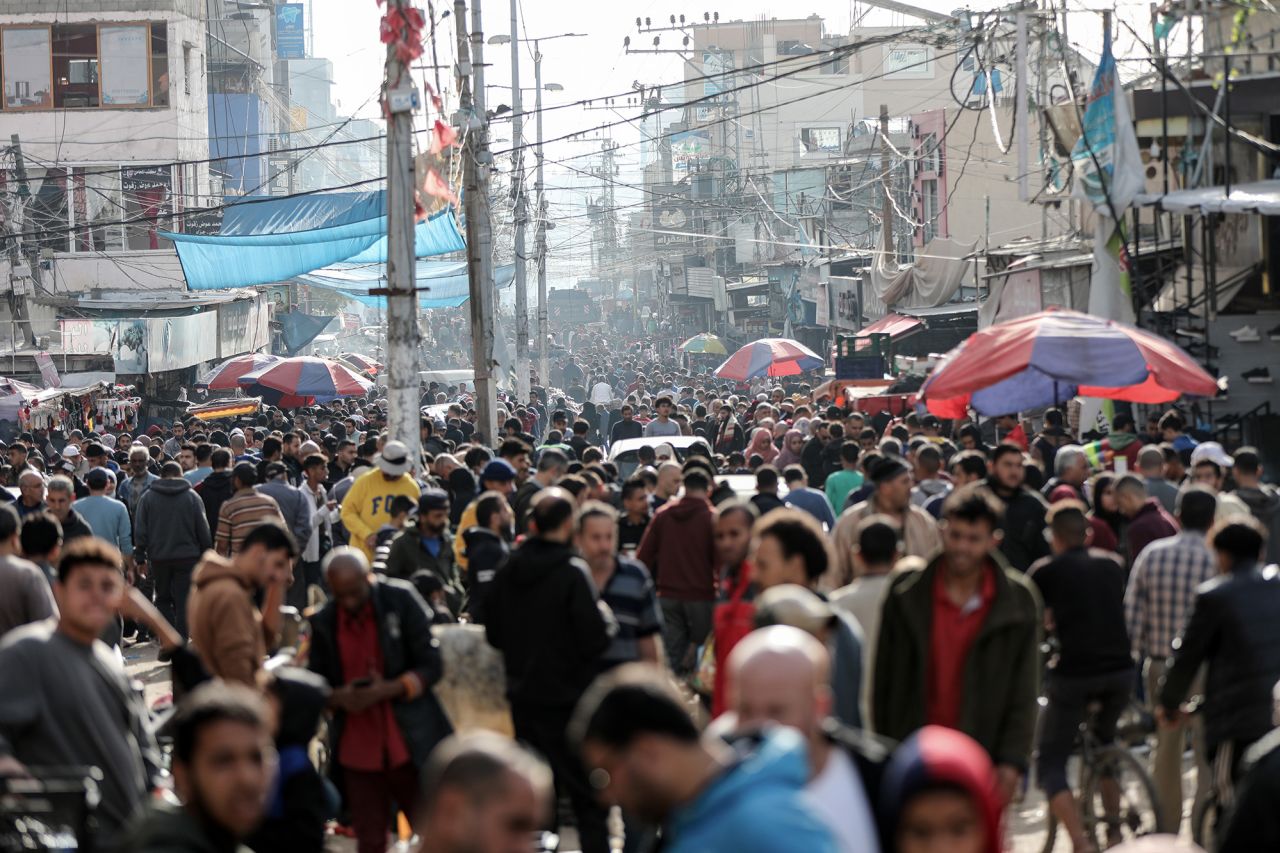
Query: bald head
669	478
347	571
780	674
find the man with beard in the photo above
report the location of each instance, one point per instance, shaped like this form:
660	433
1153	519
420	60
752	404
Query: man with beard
428	546
487	549
223	766
1023	523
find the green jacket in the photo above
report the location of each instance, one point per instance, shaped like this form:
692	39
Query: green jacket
1002	671
407	556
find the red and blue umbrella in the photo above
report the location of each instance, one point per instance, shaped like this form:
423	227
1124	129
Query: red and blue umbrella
226	376
1048	358
306	377
769	357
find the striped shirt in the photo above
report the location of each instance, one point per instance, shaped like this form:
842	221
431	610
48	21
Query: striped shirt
1162	587
631	596
239	515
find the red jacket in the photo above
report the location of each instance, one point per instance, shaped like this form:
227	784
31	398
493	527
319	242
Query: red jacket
679	550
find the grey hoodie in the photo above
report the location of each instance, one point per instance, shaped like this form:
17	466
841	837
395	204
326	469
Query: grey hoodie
170	523
1264	503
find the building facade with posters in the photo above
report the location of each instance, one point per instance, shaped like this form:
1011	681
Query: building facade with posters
109	107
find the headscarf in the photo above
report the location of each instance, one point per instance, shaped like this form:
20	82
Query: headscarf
940	757
786	456
762	445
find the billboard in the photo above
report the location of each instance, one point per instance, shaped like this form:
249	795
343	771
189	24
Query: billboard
687	148
672	219
291	38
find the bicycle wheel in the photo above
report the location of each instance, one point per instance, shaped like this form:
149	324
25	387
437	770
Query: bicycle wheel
1117	798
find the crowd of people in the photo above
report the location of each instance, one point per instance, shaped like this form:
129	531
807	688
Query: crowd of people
815	629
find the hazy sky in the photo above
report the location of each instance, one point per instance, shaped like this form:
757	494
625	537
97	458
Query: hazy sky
346	32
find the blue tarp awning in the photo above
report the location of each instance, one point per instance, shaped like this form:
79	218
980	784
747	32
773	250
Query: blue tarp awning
447	280
265	240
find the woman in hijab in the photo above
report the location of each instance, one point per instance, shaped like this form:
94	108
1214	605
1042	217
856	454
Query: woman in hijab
792	446
1109	525
762	445
939	795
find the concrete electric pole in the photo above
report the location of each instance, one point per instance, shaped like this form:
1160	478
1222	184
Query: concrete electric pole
476	161
544	367
521	214
402	293
886	181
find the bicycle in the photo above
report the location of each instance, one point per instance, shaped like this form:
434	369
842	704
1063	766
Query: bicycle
1116	797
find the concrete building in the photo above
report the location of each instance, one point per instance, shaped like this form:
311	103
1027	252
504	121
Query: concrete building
104	103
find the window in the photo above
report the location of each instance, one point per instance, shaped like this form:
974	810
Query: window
929	208
75	66
85	209
28	76
931	154
84	66
820	140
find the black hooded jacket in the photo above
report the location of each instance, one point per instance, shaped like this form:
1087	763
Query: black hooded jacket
543	616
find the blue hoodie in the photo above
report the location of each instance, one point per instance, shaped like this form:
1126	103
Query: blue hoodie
756	805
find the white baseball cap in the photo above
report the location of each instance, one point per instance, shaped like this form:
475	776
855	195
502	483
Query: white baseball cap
1211	451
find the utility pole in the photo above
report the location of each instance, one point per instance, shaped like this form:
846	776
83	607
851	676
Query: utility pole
1020	108
886	181
18	301
544	368
476	163
521	215
402	293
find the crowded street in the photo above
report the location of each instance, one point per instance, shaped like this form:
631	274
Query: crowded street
850	433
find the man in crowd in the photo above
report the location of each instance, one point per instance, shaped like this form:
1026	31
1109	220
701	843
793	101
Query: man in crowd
487	550
65	700
372	642
626	428
1209	467
931	483
1261	498
678	549
840	483
635	728
624	585
1232	630
875	556
1161	589
1151	469
229	634
662	426
25	592
1148	520
801	496
1083	593
483	794
959	643
295	507
892	499
106	516
552	465
31	492
542	615
367	506
139	478
1022	539
244	511
780	675
428	546
59	496
224	764
202	456
171	533
215	489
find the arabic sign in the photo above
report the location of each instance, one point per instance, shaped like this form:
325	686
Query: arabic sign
688	148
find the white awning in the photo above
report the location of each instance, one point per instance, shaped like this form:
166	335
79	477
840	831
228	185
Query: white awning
1254	197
